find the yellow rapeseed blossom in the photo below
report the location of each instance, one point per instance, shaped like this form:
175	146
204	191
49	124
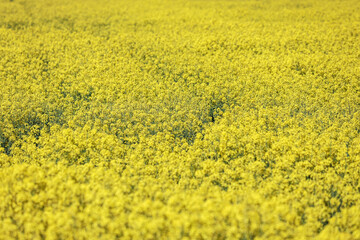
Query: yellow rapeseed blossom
179	119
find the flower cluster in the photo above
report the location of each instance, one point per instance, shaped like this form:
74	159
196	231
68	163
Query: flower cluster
179	119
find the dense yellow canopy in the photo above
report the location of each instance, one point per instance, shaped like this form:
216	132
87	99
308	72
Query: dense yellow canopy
201	119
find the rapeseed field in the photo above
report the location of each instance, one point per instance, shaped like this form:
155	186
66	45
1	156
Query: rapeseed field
180	119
